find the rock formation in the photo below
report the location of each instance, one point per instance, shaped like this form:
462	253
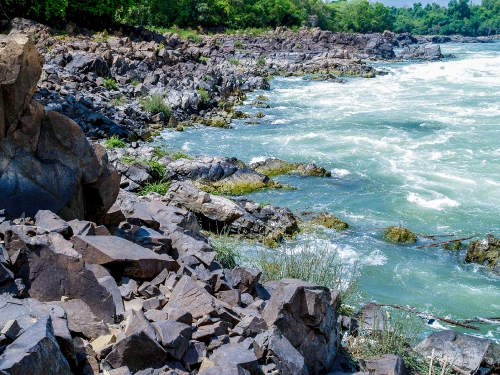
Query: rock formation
45	160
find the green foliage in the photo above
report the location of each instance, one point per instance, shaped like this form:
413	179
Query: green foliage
155	104
261	61
312	262
110	84
159	152
160	187
114	142
238	44
204	59
176	155
157	168
128	159
233	61
134	82
227	250
205	97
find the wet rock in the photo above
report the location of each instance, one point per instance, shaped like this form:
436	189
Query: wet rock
399	235
115	252
328	221
484	252
305	314
273	167
429	53
37	350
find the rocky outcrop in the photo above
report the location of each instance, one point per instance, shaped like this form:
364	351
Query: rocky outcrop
485	252
45	160
273	167
428	53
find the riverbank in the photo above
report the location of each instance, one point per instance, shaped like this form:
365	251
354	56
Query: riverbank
192	314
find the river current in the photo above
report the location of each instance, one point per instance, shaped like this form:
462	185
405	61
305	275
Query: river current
418	147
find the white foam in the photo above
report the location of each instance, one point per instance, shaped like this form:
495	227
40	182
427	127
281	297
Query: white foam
340	172
436	204
257	159
376	258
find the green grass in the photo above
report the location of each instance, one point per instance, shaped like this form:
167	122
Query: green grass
227	250
160	46
128	159
159	152
118	101
312	262
261	61
403	331
156	167
204	59
114	142
249	31
194	38
160	187
233	61
134	82
205	97
176	155
110	84
238	44
155	104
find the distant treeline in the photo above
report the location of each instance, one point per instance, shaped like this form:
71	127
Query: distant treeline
459	17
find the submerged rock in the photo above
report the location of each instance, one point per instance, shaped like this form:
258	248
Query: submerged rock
399	235
274	167
485	252
328	221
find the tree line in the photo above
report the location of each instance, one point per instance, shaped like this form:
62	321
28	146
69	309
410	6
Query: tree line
459	17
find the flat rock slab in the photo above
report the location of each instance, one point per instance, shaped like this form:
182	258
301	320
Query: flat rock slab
132	259
82	320
387	364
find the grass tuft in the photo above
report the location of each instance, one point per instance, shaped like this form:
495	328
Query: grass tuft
110	84
118	101
114	142
176	155
160	187
155	104
205	97
156	167
233	61
227	249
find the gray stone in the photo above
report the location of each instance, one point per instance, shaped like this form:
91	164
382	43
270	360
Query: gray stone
195	354
190	297
245	278
174	337
81	320
386	364
53	223
237	355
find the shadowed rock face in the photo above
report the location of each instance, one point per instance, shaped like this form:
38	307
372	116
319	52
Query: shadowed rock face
45	160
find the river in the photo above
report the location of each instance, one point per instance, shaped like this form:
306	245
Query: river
418	147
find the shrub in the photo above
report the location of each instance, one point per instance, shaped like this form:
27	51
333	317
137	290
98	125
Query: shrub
114	142
110	84
205	97
204	59
128	159
261	61
156	104
134	82
312	262
160	187
227	250
238	44
233	61
159	152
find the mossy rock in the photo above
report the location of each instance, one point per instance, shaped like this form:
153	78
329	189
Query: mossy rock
260	115
452	246
485	252
262	98
329	221
252	122
237	187
275	167
180	128
400	235
271	243
260	104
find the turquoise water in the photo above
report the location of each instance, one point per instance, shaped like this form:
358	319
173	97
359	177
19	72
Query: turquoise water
417	147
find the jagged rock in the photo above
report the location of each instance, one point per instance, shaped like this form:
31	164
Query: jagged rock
108	282
371	318
429	53
174	337
386	364
115	252
45	160
217	329
305	314
53	223
126	353
195	354
37	350
464	351
51	268
237	355
190	297
484	252
281	352
245	278
250	326
81	320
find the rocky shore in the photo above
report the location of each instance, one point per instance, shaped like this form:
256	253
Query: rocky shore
95	279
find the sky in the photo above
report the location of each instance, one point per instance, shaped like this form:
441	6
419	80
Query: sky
409	3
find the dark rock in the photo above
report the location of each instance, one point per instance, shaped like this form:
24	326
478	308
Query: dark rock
371	317
236	355
81	320
305	314
174	337
37	350
245	278
195	354
387	364
485	252
190	297
53	223
115	252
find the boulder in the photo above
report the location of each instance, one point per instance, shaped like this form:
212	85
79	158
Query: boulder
245	279
485	252
37	350
464	351
282	353
138	352
174	337
236	355
190	297
117	253
50	268
386	364
53	223
305	315
46	162
273	167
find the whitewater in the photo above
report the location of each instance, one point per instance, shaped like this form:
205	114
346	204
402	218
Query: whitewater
417	147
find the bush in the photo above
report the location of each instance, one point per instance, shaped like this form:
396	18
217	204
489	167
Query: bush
204	59
238	44
155	104
118	101
110	84
160	187
261	61
205	97
114	142
156	167
176	155
312	262
227	250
